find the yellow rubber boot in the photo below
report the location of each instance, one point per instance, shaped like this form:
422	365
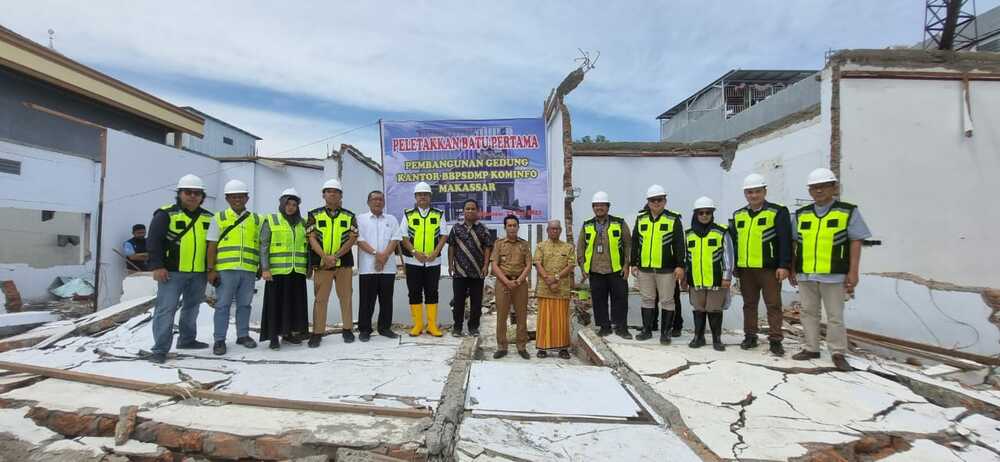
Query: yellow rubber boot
417	312
432	320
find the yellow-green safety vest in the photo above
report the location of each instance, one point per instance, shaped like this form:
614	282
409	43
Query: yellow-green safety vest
239	249
705	256
287	251
424	231
615	249
334	230
654	236
823	245
756	237
188	254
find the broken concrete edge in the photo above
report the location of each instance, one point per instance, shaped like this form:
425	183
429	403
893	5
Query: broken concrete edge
207	443
98	322
595	347
919	59
991	295
441	436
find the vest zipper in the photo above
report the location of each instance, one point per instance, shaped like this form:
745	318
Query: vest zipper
750	235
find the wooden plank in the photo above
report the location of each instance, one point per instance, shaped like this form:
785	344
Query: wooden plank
232	398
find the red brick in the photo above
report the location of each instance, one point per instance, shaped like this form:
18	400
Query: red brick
176	438
225	446
274	448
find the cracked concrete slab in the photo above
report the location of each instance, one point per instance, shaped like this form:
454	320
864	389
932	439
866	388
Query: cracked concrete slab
930	451
490	439
14	423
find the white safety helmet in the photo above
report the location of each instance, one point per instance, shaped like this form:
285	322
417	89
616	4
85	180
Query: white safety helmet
704	202
291	192
422	188
821	175
333	183
754	180
655	191
190	181
235	187
600	197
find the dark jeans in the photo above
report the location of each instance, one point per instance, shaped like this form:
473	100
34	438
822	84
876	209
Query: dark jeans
375	287
473	289
601	287
422	284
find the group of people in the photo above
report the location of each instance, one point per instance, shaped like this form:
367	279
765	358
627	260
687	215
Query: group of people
818	249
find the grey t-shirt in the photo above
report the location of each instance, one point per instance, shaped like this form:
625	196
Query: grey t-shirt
857	230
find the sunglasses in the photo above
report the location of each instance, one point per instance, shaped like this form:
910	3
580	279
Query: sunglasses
704	212
191	191
658	199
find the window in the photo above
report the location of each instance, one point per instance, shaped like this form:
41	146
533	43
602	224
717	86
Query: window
227	140
63	239
10	166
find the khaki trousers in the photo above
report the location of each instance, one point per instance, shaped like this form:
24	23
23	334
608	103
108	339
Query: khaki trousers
323	281
652	283
710	300
753	283
519	297
811	294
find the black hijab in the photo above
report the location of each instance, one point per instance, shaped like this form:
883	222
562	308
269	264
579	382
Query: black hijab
701	229
292	219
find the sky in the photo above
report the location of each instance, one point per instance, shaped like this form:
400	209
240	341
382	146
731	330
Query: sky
295	73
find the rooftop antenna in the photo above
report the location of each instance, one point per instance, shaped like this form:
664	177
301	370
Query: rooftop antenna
52	39
946	24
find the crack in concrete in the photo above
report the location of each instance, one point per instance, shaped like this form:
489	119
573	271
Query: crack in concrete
740	423
678	370
884	412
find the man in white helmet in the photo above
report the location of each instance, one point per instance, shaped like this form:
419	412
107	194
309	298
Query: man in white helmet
177	256
828	238
761	233
603	255
332	232
233	261
657	261
424	237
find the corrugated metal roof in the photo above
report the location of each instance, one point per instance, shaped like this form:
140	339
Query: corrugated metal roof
745	76
223	122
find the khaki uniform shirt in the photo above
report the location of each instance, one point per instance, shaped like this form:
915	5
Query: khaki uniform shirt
555	257
511	257
601	262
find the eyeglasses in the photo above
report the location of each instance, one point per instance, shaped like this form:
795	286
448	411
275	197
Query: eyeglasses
658	199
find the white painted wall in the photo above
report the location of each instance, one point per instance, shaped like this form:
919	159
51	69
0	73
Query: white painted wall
28	239
141	176
48	181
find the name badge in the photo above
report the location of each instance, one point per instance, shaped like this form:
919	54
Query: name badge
600	248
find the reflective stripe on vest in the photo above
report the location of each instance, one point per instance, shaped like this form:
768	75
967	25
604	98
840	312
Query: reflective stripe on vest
424	231
653	236
239	249
190	251
823	244
287	251
756	238
614	232
333	229
704	254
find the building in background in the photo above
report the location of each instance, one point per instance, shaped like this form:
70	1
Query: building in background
220	140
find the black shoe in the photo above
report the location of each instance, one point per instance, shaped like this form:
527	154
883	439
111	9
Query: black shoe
364	336
499	354
699	329
524	354
776	348
513	319
348	336
158	358
666	320
750	341
542	354
622	331
456	331
604	331
715	323
315	340
564	354
219	348
388	333
275	343
647	324
474	332
247	342
294	339
192	345
675	332
841	363
805	355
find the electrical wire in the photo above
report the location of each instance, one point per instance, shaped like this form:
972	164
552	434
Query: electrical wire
956	321
928	328
326	138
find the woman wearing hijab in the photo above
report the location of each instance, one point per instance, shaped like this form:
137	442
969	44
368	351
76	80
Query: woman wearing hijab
283	265
709	272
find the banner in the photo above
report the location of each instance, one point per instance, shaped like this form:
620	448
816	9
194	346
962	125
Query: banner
500	163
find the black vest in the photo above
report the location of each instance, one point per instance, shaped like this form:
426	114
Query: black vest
139	245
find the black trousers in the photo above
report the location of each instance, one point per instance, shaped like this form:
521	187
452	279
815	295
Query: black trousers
678	320
601	287
375	288
471	288
422	283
